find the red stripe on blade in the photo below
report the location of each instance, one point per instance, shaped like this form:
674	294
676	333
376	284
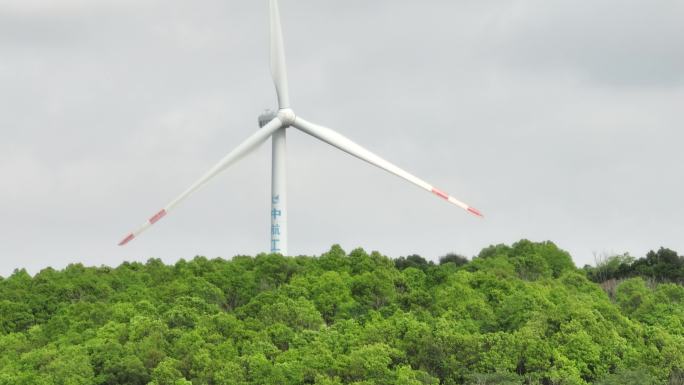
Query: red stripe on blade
157	217
475	211
127	239
440	193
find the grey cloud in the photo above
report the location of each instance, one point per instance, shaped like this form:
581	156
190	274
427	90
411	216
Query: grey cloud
112	108
620	43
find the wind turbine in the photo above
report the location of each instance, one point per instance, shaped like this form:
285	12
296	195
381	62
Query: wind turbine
274	125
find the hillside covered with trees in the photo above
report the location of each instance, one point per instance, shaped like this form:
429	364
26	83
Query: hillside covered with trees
520	314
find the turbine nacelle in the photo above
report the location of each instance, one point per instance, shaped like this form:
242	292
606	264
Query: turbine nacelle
286	116
266	117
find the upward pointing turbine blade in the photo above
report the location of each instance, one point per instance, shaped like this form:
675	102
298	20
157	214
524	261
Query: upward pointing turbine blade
337	140
278	68
238	153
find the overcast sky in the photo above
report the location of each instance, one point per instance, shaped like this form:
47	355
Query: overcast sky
560	120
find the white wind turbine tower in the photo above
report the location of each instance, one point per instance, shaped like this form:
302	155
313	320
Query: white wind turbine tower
274	125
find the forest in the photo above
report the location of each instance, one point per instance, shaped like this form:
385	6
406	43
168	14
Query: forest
512	315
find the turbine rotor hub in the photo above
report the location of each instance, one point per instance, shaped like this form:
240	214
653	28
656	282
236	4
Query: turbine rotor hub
287	116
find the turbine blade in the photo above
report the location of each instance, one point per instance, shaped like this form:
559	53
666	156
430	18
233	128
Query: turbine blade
337	140
278	68
238	153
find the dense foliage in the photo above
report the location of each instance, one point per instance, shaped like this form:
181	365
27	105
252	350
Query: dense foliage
663	265
520	314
